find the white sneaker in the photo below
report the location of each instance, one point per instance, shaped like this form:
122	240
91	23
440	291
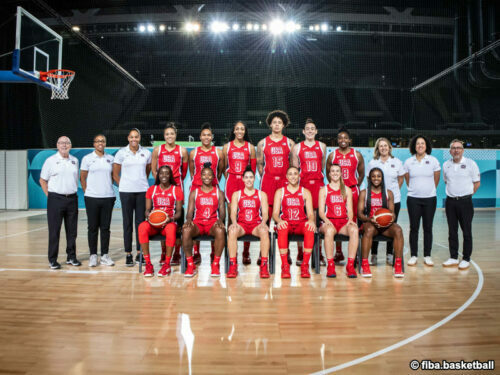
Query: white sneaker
93	260
428	261
412	261
451	263
107	261
463	265
373	260
390	259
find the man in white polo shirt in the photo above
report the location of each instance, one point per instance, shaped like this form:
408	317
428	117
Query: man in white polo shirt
59	182
462	178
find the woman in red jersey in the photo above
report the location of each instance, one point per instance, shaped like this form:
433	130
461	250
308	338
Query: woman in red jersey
336	212
249	216
167	196
176	157
238	154
370	200
206	215
293	214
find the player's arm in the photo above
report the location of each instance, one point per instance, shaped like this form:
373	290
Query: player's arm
264	207
361	207
178	210
260	157
437	176
277	207
191	163
234	207
323	160
361	168
83	179
349	204
328	165
390	203
220	165
149	207
185	162
44	184
154	161
322	205
148	170
294	157
253	160
190	210
311	220
225	161
117	169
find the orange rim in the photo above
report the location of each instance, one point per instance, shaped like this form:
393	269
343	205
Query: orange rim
59	73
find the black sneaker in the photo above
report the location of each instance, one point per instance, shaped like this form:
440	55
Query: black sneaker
55	266
73	262
129	262
138	257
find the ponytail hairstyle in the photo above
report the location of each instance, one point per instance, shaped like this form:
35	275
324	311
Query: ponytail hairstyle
207	165
342	184
368	199
171	180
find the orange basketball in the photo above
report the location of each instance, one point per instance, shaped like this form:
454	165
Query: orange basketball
158	218
383	217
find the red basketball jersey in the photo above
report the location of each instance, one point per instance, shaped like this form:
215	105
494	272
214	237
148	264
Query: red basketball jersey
173	159
276	156
237	158
335	204
310	161
293	207
249	207
200	158
349	165
376	202
206	205
165	199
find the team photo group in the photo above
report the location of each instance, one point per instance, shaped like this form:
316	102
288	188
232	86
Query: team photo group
361	200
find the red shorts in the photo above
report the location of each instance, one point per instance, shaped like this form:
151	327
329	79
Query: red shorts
313	186
355	197
295	228
339	223
269	184
205	226
248	227
234	183
146	230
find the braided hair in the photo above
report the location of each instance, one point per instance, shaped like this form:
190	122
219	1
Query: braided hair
368	206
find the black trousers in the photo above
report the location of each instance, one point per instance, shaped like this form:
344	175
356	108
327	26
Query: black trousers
132	203
459	211
59	208
390	248
99	211
421	208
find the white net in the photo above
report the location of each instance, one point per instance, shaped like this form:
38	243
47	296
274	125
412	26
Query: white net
60	81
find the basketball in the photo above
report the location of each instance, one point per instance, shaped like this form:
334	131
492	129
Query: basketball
158	218
383	217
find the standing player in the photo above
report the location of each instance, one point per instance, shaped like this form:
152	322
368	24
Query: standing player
206	153
353	173
273	157
238	154
293	214
176	157
310	157
249	216
206	215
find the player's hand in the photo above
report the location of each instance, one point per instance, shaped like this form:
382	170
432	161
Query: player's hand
262	225
282	224
188	224
351	222
374	222
311	226
220	224
234	227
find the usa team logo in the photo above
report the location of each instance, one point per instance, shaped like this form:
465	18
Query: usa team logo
393	166
463	166
73	162
427	162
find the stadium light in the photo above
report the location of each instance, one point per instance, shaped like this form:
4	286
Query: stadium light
311	27
192	27
316	27
236	27
75	28
291	27
339	28
142	28
264	27
256	27
161	28
276	27
324	27
249	26
151	28
219	27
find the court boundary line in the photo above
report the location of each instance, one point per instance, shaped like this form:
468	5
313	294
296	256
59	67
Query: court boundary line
28	231
418	335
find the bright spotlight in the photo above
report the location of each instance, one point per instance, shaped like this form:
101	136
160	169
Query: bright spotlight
75	28
219	27
236	27
192	26
339	28
311	27
161	28
324	27
290	26
249	26
256	27
142	28
151	28
264	27
316	28
298	26
276	27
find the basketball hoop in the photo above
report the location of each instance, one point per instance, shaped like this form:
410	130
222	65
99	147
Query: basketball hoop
59	80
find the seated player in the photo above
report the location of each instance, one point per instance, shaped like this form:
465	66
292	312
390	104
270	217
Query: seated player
370	200
293	214
335	210
205	216
163	195
249	214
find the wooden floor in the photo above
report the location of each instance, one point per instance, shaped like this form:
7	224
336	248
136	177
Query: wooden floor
111	320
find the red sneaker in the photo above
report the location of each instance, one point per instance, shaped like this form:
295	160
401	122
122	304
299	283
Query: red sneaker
176	258
162	258
285	271
190	270
233	270
365	268
339	257
351	271
304	271
264	272
246	257
398	268
215	270
330	270
149	271
164	271
197	258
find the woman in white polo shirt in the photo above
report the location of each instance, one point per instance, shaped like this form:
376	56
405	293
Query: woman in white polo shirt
393	179
422	172
131	169
97	184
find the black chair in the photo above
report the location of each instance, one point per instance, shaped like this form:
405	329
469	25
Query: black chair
252	238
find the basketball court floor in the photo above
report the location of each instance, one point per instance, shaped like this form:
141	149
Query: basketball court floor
111	320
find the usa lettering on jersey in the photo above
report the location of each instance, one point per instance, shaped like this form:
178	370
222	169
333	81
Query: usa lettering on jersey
205	159
205	201
293	201
249	204
169	158
238	155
